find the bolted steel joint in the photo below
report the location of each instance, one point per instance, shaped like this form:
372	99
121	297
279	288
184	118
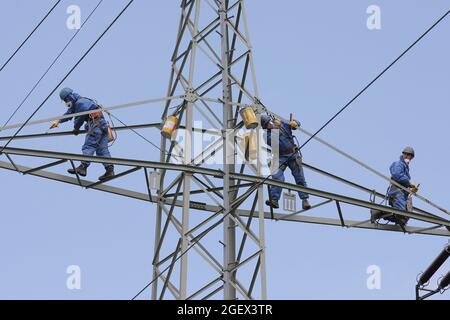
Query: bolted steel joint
190	95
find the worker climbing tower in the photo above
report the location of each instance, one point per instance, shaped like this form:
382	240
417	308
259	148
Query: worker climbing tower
212	58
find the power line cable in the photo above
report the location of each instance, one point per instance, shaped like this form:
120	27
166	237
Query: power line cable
51	65
375	79
29	36
116	107
69	73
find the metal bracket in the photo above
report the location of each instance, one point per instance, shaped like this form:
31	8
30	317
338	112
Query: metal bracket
154	180
289	202
258	107
190	95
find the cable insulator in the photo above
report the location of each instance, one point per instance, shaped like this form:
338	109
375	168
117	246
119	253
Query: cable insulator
431	270
445	281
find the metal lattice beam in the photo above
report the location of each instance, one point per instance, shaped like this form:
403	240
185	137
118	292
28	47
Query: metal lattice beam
288	217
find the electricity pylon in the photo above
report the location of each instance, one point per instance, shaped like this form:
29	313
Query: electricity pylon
212	37
220	218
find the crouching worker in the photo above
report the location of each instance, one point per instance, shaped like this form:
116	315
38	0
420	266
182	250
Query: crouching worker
289	157
97	130
398	198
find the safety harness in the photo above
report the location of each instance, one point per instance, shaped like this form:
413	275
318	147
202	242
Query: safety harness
95	116
289	135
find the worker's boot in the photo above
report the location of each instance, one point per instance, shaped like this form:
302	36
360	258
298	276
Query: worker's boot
375	215
108	174
305	204
81	170
402	221
273	203
390	218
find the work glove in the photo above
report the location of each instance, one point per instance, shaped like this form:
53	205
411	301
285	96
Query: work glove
76	132
294	124
414	188
54	124
277	122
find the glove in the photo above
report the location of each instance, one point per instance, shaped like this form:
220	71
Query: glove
76	132
277	122
55	124
294	124
414	188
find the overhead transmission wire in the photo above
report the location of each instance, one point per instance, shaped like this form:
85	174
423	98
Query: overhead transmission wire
69	73
116	107
51	66
30	35
375	79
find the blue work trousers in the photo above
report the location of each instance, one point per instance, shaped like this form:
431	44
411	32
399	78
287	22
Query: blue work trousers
296	168
96	142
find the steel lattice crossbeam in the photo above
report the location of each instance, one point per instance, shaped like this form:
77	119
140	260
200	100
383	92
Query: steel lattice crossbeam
435	229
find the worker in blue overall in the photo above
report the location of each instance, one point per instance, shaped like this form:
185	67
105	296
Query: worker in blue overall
398	198
289	156
96	126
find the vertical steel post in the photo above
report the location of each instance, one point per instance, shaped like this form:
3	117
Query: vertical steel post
228	158
158	223
162	158
261	215
187	158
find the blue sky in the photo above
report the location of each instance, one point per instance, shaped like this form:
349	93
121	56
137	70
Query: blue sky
311	57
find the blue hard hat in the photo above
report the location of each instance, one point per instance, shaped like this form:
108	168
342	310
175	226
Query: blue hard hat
265	119
409	150
64	93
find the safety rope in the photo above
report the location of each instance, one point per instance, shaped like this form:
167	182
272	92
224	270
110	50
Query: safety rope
116	107
113	128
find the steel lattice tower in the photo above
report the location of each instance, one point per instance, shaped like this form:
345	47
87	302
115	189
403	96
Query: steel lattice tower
219	40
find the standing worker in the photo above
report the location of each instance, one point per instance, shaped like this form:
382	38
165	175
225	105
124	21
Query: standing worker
289	156
398	198
97	130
